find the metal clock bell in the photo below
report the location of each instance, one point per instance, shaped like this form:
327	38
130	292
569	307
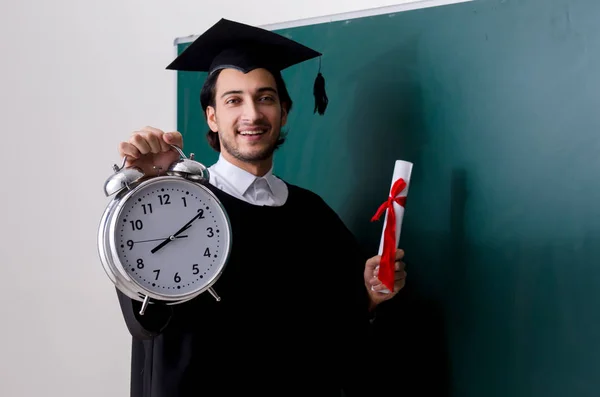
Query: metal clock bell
165	238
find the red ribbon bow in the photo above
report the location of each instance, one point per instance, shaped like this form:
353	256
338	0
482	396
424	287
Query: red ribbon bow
388	256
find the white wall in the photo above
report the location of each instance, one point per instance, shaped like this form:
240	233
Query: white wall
76	78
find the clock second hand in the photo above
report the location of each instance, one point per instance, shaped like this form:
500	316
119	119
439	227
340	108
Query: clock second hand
156	239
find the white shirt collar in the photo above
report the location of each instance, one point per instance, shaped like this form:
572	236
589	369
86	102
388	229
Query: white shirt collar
240	179
236	181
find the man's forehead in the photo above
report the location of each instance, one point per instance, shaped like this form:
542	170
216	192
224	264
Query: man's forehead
232	79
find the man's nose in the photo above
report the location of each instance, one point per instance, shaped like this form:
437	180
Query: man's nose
251	112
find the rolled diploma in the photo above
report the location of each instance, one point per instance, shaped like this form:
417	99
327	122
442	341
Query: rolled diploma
402	169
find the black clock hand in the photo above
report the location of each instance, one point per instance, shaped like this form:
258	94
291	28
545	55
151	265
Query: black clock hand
172	237
169	239
155	239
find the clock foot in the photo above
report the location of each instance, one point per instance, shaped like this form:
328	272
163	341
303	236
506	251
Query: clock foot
214	294
144	305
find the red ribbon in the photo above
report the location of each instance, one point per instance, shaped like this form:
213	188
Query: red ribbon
388	256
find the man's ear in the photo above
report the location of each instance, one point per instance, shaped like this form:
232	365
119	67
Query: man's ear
211	118
284	114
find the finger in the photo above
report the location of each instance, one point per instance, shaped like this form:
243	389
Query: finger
154	142
154	137
139	141
399	265
164	146
371	268
372	263
379	287
399	254
152	130
398	285
400	276
374	281
129	150
174	138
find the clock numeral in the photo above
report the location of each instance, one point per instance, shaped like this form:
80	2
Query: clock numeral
207	252
184	202
140	263
130	244
201	212
195	269
210	232
148	210
157	271
164	199
177	279
136	225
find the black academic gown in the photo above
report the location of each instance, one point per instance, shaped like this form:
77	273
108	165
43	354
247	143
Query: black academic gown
293	318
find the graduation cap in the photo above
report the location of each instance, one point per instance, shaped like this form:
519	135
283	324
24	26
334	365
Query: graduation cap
229	44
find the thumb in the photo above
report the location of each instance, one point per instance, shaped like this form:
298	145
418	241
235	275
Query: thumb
371	264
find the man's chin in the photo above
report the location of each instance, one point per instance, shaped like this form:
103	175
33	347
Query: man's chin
256	155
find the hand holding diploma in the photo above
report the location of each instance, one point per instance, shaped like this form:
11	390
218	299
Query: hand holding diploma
379	292
389	269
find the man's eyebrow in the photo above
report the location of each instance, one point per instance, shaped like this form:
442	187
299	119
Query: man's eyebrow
267	89
231	92
238	92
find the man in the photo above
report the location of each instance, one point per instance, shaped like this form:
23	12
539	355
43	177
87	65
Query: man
297	294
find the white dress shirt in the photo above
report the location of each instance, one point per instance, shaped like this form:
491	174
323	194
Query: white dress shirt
266	190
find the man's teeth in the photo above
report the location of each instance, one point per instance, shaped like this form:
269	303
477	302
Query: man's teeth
252	132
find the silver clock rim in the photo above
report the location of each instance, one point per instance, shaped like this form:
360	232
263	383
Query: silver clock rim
140	291
111	269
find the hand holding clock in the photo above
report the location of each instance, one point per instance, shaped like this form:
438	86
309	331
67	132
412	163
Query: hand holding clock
175	275
149	149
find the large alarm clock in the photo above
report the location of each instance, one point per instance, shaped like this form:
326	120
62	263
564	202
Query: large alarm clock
165	238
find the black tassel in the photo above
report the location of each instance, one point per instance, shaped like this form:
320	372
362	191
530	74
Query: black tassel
321	99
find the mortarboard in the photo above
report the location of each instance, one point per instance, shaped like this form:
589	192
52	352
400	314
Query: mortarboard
229	44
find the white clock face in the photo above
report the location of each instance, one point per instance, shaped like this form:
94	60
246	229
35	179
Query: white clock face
171	237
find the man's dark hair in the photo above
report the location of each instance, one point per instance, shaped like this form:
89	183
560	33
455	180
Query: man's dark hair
207	98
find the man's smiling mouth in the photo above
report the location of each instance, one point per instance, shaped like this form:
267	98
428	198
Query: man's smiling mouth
252	131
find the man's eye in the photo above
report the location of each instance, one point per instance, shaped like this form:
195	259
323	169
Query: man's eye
232	101
266	99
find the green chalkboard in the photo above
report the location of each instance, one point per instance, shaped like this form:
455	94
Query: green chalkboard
497	103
